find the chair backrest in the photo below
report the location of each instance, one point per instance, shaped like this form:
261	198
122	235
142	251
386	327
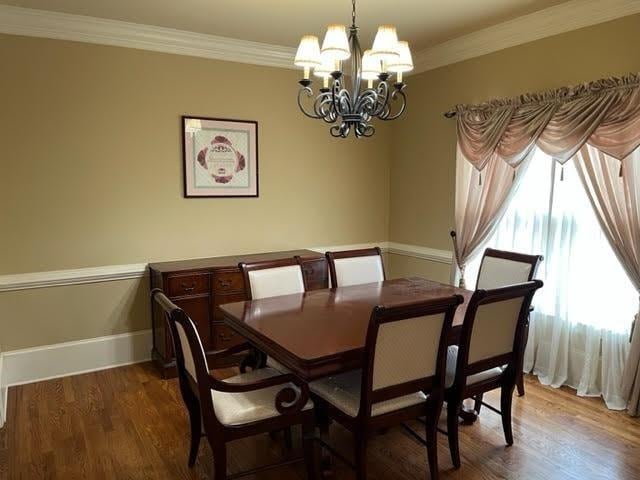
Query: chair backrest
354	267
272	278
191	363
406	350
500	268
190	355
493	329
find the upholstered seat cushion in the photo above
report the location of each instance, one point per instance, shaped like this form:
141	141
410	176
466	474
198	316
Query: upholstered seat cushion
276	365
241	408
452	361
343	392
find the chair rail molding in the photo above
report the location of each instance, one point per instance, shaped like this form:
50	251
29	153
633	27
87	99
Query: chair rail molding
109	273
554	20
423	253
58	278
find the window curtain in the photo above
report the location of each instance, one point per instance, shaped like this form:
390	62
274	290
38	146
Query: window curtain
605	114
616	203
578	336
503	133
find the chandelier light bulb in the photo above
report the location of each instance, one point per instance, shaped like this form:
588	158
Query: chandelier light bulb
385	44
336	43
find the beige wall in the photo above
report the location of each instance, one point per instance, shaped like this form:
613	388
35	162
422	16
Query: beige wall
423	155
91	161
91	166
91	174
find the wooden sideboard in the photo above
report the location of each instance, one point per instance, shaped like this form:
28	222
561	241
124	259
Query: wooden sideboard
200	286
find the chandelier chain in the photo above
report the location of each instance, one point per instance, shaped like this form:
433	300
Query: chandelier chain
353	13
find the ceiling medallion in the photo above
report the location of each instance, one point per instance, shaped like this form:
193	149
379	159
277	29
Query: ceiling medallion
353	109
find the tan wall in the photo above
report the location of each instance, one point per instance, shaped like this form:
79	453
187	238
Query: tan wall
400	266
91	161
423	156
91	174
91	166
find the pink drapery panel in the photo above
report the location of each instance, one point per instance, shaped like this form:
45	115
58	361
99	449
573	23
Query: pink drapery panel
479	206
605	114
616	202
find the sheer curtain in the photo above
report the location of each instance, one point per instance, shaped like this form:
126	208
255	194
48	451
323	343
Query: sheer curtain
579	334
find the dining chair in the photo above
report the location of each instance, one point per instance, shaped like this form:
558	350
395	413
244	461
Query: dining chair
487	356
272	278
260	401
500	268
403	378
354	267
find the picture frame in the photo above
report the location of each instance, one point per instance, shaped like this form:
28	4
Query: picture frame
219	157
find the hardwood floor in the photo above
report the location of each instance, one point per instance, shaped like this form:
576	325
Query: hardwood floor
126	423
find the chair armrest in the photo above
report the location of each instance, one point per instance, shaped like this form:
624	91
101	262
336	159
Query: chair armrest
288	400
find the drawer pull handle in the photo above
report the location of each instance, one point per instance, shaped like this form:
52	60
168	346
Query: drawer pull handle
224	283
189	288
226	338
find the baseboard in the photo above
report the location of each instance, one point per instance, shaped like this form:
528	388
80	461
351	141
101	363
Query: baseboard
3	395
71	358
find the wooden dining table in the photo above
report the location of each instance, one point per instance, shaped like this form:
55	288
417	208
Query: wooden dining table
323	332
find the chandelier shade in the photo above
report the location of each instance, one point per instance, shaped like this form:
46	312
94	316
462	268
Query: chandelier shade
371	66
344	101
385	45
336	43
308	54
404	62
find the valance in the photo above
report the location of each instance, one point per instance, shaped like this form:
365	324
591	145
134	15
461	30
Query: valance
604	114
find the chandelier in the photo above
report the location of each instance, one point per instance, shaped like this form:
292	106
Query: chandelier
353	108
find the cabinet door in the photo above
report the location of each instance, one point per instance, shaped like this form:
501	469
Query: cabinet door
198	310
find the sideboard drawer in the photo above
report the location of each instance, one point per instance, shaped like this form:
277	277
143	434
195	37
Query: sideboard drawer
228	281
190	284
224	337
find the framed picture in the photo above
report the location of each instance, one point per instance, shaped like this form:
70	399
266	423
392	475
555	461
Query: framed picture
220	157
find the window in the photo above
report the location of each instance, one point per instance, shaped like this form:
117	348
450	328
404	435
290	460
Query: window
584	281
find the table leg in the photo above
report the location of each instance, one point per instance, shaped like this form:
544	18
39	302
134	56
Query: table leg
468	414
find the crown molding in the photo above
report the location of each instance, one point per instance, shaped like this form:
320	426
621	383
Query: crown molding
562	18
80	28
555	20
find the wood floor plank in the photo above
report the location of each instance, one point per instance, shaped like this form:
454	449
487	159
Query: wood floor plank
127	423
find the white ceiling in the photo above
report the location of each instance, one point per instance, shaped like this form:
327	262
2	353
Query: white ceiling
422	22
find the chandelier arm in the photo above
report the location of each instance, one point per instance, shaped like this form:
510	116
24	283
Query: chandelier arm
309	93
320	105
383	99
403	106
